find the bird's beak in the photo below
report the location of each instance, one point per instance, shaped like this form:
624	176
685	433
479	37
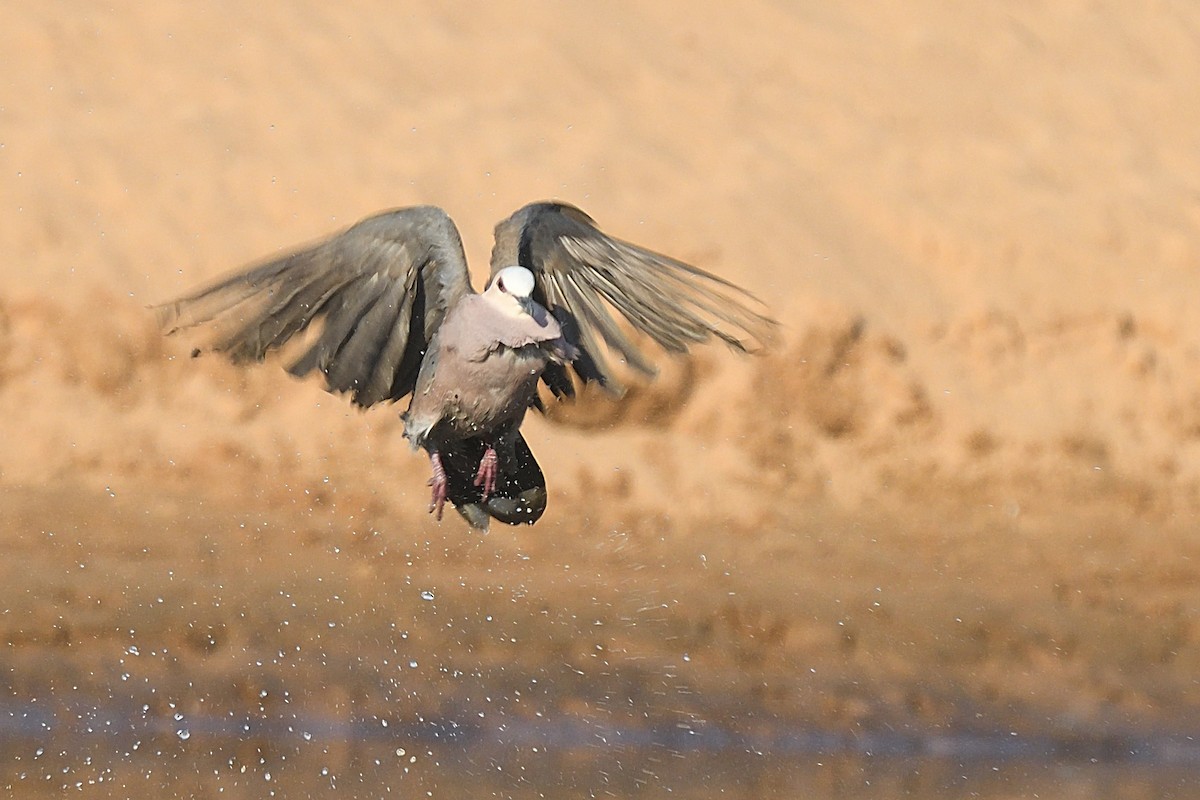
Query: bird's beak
527	304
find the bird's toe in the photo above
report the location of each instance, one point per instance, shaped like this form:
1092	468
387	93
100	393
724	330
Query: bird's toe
485	478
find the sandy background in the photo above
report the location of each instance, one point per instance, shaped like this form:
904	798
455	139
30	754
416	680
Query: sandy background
962	494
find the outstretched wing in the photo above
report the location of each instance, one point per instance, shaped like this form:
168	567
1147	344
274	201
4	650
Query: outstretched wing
381	289
582	273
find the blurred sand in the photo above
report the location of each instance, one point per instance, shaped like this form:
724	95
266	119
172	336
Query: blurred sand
963	492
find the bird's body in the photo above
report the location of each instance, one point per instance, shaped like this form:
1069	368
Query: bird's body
478	378
401	319
500	356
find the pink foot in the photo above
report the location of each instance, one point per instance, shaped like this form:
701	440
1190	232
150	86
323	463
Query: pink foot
486	477
438	482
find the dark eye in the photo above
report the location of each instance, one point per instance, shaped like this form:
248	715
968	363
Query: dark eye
500	285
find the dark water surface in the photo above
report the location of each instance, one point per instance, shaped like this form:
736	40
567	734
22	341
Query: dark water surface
102	755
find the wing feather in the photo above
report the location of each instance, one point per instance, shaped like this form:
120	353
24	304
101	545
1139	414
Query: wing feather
582	274
597	316
380	289
355	362
272	325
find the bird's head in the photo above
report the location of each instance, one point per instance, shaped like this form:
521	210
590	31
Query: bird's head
512	290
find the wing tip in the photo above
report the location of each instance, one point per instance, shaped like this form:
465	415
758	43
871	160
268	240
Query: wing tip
166	316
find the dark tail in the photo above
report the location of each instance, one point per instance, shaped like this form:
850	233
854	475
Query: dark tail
520	496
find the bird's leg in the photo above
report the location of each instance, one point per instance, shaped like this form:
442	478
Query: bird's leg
486	477
438	482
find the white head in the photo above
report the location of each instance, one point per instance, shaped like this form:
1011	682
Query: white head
512	290
515	281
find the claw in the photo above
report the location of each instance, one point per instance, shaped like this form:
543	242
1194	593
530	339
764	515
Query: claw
486	477
438	482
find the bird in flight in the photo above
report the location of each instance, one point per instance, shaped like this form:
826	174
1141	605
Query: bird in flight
399	318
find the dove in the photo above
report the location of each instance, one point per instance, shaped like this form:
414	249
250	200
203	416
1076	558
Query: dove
397	317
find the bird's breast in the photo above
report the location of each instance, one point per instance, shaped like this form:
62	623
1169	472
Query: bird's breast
480	396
